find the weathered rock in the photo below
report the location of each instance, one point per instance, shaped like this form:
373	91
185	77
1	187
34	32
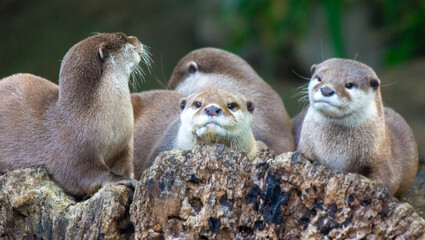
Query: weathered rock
215	193
32	206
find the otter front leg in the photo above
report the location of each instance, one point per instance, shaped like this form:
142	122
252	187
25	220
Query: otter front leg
383	175
101	175
122	164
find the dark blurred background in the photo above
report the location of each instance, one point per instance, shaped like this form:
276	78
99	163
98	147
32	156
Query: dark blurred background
280	39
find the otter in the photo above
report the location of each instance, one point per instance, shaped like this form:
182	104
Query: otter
214	68
347	128
156	111
169	119
82	130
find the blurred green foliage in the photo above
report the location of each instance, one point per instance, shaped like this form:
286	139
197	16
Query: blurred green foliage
35	35
277	25
403	29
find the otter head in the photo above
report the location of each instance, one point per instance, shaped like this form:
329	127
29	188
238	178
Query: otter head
108	55
340	87
217	116
206	66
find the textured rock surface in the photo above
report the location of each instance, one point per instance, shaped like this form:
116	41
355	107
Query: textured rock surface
213	193
34	207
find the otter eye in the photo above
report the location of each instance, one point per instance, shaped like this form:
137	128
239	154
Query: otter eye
198	104
318	79
350	85
231	106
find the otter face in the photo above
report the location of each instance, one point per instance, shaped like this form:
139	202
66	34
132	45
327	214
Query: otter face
120	53
215	116
113	55
340	88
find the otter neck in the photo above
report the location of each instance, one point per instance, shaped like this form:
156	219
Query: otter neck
85	94
363	137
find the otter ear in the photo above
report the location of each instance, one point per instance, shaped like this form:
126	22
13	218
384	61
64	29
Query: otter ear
101	53
313	69
192	67
250	106
182	103
374	83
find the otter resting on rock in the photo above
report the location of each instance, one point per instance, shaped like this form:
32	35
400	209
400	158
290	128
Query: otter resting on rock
170	120
347	128
81	131
211	68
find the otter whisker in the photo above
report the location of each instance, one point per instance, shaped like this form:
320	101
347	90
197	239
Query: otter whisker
161	83
138	73
147	57
389	84
299	75
133	80
301	93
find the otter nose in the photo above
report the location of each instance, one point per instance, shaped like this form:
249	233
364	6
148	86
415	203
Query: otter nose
212	111
327	92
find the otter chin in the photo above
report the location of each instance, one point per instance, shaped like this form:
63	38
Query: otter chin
82	130
347	128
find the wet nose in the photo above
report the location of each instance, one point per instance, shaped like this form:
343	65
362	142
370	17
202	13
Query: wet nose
212	111
327	92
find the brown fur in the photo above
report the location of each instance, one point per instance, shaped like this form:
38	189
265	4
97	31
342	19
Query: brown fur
271	123
378	144
158	125
158	110
81	131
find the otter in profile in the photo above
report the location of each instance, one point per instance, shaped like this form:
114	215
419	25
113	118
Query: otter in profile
208	116
210	68
81	131
347	128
